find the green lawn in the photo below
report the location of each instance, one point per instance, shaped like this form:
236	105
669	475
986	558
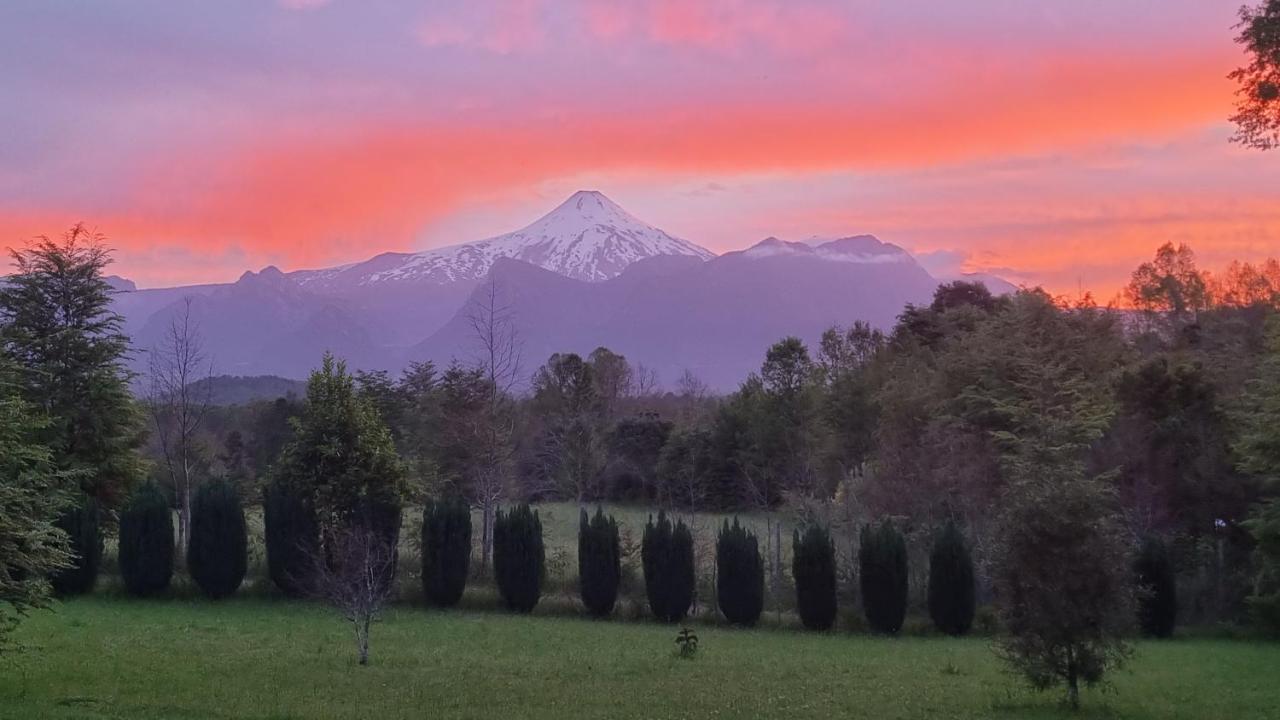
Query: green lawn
107	657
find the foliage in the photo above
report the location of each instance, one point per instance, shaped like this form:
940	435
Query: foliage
813	565
218	550
686	644
739	575
146	542
1157	589
1264	602
446	550
83	528
33	494
341	457
1259	450
882	563
666	552
519	560
599	562
951	585
57	324
292	536
1257	116
1169	284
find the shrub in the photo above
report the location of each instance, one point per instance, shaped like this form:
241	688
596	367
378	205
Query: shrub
292	537
666	552
81	525
813	565
1157	589
882	564
146	542
218	549
739	575
519	560
951	588
446	550
599	562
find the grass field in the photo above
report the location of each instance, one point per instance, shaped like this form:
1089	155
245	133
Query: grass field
106	657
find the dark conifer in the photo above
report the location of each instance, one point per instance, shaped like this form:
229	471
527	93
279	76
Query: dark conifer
146	542
218	550
739	575
882	561
813	565
667	555
951	588
518	557
599	562
446	550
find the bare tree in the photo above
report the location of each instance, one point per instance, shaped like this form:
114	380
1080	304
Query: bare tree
355	574
492	321
178	405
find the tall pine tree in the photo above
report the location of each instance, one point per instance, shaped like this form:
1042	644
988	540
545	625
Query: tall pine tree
56	322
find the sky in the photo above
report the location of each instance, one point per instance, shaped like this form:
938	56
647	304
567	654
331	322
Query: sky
1055	142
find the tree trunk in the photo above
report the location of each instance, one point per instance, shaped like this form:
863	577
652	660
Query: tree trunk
1073	692
362	640
486	535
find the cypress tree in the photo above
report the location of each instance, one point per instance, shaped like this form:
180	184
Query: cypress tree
81	524
518	557
146	542
813	565
882	559
218	548
951	589
599	562
292	537
1157	589
739	575
667	555
446	550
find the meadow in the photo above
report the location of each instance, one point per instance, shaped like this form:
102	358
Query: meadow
105	656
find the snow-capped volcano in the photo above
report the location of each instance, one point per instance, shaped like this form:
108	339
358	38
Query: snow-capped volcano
588	237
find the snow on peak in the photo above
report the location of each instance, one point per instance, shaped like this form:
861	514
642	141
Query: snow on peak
587	237
862	249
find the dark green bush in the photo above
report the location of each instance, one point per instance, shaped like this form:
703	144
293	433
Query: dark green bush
292	538
218	549
666	552
951	588
739	575
81	524
146	542
446	550
518	558
1157	589
813	565
599	562
882	563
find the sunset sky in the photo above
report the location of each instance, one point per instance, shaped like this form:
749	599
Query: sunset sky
1057	142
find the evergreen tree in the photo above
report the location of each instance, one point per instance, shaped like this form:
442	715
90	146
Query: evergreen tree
33	493
518	557
218	549
882	560
57	324
146	542
813	565
342	460
446	550
81	524
739	575
951	588
599	562
667	555
1157	589
292	537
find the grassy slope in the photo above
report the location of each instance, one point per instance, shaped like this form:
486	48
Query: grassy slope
105	657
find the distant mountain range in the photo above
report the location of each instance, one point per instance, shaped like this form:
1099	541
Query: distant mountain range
586	274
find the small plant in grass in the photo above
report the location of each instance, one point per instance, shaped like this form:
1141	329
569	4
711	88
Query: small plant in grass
599	562
882	563
739	575
686	644
446	550
951	587
667	555
813	565
519	560
218	548
146	542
